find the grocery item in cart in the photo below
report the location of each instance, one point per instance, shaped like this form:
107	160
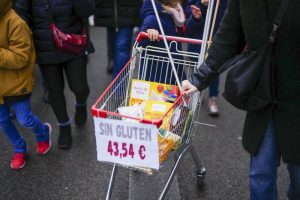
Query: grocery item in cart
142	90
166	142
154	110
136	111
177	124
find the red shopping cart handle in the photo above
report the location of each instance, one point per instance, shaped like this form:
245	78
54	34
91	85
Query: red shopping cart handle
143	35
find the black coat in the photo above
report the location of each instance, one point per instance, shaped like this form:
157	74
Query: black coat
246	22
117	13
68	16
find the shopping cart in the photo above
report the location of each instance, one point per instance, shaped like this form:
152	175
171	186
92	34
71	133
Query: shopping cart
185	110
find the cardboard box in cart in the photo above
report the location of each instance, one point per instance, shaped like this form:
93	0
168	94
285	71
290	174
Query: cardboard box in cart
143	90
154	110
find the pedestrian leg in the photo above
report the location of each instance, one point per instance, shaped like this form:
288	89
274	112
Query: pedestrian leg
27	119
122	48
294	188
54	77
76	73
111	36
263	168
10	131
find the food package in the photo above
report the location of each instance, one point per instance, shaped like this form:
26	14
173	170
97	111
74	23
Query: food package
154	110
146	90
166	142
136	111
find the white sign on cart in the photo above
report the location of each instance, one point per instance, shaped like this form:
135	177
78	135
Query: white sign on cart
126	143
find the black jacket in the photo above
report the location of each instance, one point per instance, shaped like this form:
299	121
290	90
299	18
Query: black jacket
117	13
68	16
248	22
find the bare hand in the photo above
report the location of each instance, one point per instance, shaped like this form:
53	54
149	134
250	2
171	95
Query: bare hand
153	34
205	2
188	88
196	12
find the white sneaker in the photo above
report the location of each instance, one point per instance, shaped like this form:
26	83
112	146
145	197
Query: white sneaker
213	107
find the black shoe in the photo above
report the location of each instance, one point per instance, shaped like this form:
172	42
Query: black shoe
110	67
80	115
65	137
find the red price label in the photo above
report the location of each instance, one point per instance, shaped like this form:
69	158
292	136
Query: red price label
124	150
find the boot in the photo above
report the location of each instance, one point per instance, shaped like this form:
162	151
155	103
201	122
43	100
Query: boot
65	137
80	115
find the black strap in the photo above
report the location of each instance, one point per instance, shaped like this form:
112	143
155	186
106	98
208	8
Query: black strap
278	19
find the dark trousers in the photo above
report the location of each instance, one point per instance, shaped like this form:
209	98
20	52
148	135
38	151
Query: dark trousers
76	75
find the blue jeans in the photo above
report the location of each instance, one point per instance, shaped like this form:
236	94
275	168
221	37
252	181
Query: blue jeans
27	119
122	42
214	88
263	170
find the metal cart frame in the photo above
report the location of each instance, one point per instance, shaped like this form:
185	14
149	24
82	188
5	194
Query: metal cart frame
102	107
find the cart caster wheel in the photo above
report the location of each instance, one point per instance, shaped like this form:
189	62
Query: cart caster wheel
200	177
200	182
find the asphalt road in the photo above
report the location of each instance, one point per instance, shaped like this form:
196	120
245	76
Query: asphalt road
76	175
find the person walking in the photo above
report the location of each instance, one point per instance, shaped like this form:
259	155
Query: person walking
272	132
119	17
174	23
213	107
17	61
69	17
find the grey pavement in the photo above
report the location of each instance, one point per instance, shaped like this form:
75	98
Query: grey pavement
76	175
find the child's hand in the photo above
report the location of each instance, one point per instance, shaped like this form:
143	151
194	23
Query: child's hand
205	2
196	12
153	34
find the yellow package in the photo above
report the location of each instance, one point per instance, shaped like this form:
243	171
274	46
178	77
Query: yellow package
165	147
154	110
143	90
166	144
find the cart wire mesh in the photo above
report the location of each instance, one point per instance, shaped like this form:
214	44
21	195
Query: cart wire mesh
152	64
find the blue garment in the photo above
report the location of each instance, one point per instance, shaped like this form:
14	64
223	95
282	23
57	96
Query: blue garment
122	43
149	20
196	32
263	170
27	119
214	88
155	71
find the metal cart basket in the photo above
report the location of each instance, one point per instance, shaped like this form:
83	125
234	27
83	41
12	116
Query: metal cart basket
152	63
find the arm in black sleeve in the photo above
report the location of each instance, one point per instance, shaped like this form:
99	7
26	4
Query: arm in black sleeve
84	8
226	44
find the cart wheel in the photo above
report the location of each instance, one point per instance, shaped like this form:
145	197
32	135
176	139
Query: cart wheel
200	182
200	177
